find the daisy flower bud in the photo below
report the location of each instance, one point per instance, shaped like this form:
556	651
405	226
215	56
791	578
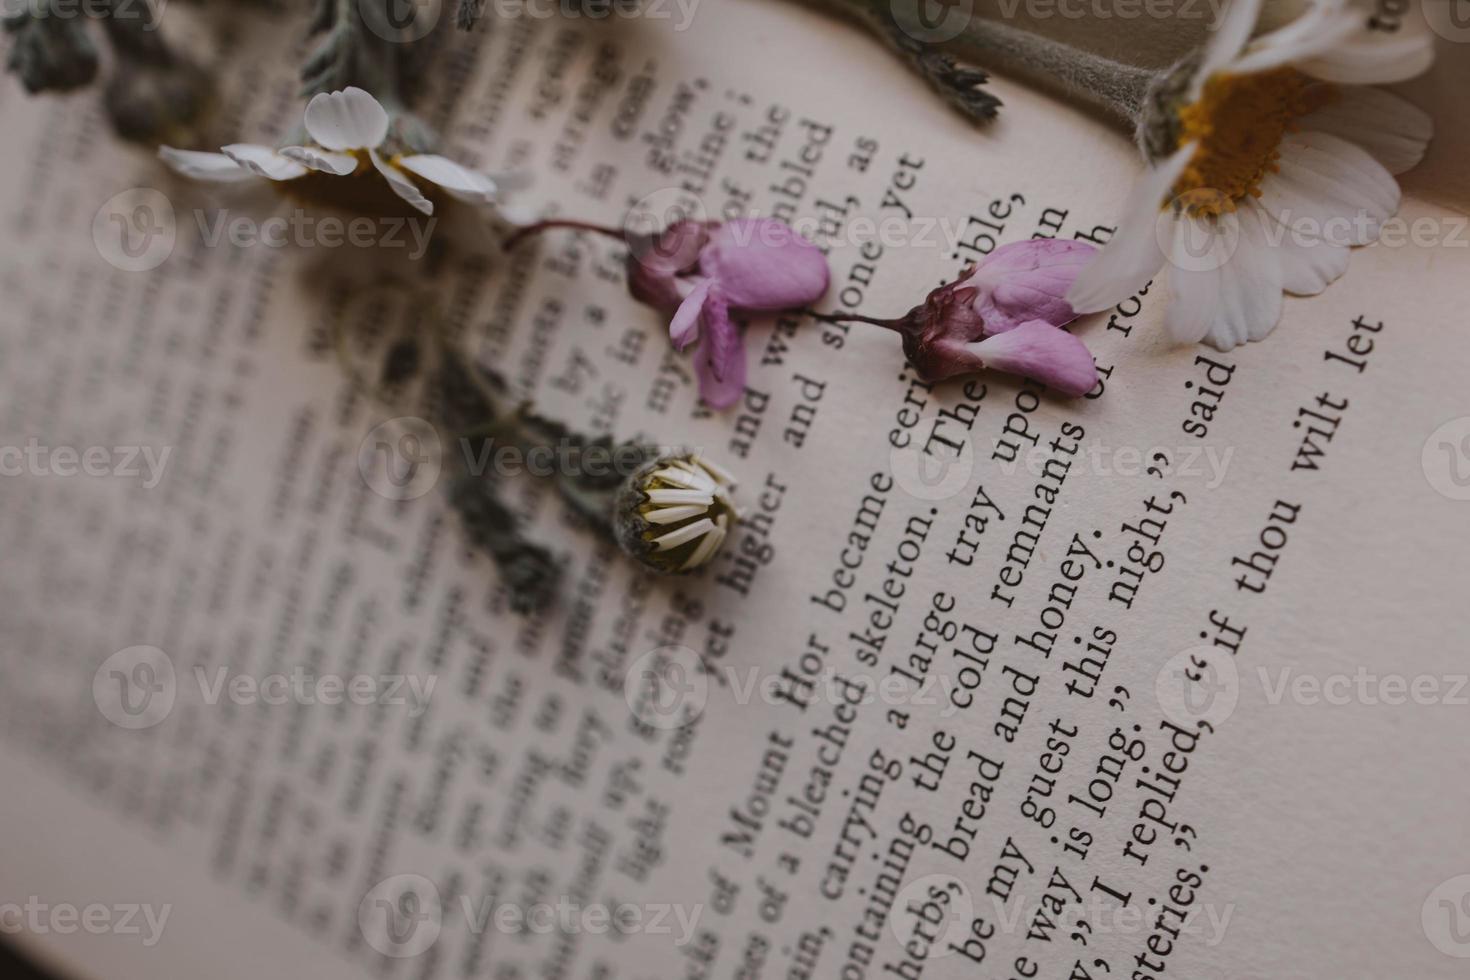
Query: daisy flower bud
673	513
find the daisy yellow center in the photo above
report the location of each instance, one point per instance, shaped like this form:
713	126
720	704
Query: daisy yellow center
1238	123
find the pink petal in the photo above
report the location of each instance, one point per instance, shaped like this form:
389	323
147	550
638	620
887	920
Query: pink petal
720	361
1038	350
762	264
675	249
655	263
684	328
1028	281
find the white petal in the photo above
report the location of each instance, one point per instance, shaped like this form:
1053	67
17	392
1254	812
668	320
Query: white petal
347	120
326	161
1328	188
1394	131
684	328
669	497
672	515
1308	264
1230	37
679	536
1132	256
263	161
401	185
1200	249
1369	55
1250	287
460	182
707	547
203	166
1324	26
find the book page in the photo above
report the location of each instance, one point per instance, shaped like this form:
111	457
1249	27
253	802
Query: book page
1168	681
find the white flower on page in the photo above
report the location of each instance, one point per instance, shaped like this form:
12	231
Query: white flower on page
674	513
1283	161
348	131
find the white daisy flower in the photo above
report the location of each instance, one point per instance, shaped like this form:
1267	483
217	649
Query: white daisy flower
1283	162
674	513
348	130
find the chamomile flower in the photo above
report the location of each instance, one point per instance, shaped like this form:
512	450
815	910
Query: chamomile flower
674	513
1278	159
349	161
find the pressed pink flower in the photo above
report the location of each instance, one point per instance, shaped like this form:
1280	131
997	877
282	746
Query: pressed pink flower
1006	314
704	272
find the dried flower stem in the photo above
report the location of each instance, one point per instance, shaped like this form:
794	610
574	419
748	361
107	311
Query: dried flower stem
1125	93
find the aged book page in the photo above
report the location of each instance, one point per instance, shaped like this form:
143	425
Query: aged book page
1167	682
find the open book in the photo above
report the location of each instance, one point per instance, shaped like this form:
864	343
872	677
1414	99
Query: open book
1165	682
